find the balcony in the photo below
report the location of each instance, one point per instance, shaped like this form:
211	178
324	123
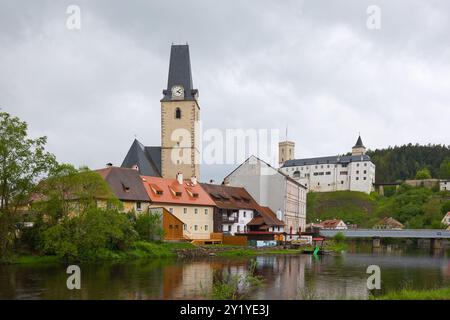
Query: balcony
229	219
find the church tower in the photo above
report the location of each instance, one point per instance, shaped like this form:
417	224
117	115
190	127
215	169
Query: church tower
180	115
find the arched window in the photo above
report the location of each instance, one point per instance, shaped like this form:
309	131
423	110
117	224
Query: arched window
177	113
296	174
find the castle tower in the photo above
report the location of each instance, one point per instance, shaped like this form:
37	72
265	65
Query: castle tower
180	115
358	149
286	151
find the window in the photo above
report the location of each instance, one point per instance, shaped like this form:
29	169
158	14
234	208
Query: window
170	226
365	171
365	178
138	206
196	227
206	211
177	113
365	164
185	226
171	210
206	227
357	164
185	210
245	214
296	174
238	229
357	178
195	210
357	171
342	182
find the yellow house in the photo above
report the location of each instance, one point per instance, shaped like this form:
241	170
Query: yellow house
186	200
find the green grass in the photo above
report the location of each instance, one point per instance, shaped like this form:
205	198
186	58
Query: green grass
138	250
407	294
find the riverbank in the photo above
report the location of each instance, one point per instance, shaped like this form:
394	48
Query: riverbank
407	294
150	250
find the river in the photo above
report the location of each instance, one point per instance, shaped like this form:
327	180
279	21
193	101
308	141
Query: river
285	276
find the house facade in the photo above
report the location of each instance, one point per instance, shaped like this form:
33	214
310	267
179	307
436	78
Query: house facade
234	209
389	223
355	172
444	185
274	189
334	224
186	200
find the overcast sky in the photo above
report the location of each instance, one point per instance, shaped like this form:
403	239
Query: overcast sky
313	66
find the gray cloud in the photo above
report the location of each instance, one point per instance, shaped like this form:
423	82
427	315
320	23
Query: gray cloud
312	65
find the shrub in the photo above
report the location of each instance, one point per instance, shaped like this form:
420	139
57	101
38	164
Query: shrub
89	236
339	237
149	226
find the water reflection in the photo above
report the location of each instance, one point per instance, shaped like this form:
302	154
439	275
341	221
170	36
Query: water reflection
285	277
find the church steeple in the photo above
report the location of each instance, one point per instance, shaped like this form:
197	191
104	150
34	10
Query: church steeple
180	116
179	84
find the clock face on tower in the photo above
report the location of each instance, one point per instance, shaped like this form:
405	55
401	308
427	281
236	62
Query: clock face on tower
177	92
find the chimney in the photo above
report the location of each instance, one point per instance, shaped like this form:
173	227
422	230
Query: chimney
109	164
180	178
194	180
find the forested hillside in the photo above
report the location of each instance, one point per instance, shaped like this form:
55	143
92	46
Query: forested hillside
400	163
414	207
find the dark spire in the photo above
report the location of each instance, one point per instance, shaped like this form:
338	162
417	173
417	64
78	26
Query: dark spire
180	72
359	143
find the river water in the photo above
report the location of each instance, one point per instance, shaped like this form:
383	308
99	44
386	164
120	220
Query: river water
285	276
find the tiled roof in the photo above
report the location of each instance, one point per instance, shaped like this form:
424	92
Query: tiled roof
163	190
267	217
330	223
389	221
227	197
125	183
359	143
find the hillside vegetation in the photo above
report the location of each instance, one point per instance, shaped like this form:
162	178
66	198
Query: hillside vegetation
403	162
414	207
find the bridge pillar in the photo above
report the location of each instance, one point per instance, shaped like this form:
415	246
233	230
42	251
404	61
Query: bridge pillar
376	243
436	244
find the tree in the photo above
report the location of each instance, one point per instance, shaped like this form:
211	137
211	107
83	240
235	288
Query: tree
423	174
68	190
22	162
149	226
444	169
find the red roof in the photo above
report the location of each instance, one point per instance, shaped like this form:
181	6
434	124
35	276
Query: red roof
163	190
330	223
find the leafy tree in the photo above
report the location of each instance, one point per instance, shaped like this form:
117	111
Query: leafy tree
423	174
445	169
94	233
149	226
22	162
445	207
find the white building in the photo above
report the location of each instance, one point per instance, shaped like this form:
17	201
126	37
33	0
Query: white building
444	185
272	188
446	219
354	172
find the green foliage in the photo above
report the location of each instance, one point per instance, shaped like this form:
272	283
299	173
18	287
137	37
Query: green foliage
339	237
352	207
149	226
23	160
444	169
445	207
423	174
415	207
401	163
89	236
408	294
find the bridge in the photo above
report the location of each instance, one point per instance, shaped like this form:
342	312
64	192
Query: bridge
436	236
